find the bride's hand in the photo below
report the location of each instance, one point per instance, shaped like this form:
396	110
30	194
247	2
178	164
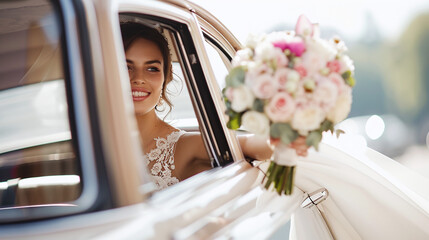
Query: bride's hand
300	146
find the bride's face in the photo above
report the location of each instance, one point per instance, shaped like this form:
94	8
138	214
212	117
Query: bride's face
145	68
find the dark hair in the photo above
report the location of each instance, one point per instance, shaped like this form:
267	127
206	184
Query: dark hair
132	31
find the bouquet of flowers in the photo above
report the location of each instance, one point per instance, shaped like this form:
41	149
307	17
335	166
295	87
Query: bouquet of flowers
291	87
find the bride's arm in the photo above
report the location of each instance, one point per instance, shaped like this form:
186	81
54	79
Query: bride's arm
255	147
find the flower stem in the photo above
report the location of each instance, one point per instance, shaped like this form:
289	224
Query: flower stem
269	174
289	173
281	182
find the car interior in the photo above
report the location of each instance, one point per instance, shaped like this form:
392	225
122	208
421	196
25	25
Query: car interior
38	164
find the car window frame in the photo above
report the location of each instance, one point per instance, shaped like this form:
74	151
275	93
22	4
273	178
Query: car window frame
199	91
78	78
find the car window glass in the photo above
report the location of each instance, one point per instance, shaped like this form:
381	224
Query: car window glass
38	164
217	62
182	114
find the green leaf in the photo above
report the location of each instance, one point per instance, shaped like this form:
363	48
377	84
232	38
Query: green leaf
351	81
235	77
348	78
346	75
283	131
338	132
258	105
327	126
227	103
234	121
313	139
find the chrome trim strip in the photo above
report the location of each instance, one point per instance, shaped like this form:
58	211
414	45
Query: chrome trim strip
77	82
196	97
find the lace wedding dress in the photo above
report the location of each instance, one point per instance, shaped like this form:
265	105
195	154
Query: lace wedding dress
162	160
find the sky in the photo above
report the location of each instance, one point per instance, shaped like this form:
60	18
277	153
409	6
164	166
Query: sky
348	17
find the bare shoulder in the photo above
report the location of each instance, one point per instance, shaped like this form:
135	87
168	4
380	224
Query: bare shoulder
191	155
191	136
191	143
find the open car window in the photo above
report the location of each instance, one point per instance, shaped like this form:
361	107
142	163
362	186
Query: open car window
182	114
188	112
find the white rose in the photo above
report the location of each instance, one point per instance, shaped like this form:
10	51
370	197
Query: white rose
279	36
292	81
256	123
307	118
346	63
242	57
341	109
264	86
265	51
242	98
293	76
253	40
338	44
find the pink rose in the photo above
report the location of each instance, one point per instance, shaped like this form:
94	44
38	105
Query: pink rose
295	47
317	55
334	66
336	79
264	86
287	79
280	59
280	108
281	77
301	70
326	94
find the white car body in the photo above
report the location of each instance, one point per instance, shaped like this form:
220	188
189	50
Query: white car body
368	196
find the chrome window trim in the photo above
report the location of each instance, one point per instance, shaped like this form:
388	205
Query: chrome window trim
195	95
232	139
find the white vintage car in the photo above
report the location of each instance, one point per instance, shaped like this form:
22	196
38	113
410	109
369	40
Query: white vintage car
70	157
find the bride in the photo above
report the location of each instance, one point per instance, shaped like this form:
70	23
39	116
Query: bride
172	154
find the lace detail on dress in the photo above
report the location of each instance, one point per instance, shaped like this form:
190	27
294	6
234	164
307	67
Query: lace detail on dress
162	158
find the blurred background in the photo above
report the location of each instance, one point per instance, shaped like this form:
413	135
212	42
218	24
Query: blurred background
389	43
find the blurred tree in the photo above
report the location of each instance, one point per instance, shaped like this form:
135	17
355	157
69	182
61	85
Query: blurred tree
406	68
369	95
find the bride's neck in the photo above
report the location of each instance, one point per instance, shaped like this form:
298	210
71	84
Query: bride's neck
150	127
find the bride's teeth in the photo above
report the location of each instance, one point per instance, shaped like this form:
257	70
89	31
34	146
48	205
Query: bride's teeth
139	94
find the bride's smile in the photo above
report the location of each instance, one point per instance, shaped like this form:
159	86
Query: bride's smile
140	94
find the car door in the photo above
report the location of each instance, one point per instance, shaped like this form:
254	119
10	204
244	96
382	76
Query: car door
116	198
53	160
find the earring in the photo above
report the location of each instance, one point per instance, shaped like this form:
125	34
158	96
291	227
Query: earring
160	99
